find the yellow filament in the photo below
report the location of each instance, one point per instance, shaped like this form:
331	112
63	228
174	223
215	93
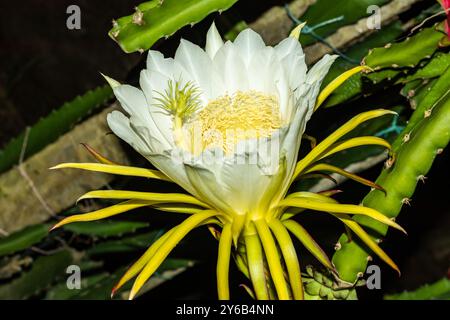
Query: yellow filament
231	118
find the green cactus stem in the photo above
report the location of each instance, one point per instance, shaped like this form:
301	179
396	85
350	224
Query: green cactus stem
157	19
407	53
413	160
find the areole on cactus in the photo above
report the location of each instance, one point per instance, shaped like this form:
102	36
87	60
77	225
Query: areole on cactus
226	124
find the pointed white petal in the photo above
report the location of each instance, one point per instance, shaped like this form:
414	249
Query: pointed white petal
157	62
315	77
171	165
132	100
288	46
231	68
248	43
154	84
120	125
262	71
213	41
112	83
197	64
295	67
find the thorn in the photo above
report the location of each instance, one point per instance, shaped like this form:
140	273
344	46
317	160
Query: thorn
387	46
138	17
411	93
422	178
141	51
132	295
395	65
388	163
360	275
337	246
427	113
113	292
369	258
115	34
439	151
406	138
114	23
406	201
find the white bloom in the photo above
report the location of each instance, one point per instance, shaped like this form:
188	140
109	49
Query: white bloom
232	85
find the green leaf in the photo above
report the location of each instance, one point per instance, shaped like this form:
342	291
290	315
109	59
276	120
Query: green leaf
147	25
50	128
61	292
407	53
323	10
99	286
104	229
354	86
439	290
128	244
433	69
44	271
23	239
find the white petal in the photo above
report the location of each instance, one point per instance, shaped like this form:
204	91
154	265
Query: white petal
120	125
315	77
288	46
262	69
245	185
153	84
174	169
248	43
231	68
285	98
295	67
213	41
197	64
157	62
132	100
208	187
318	72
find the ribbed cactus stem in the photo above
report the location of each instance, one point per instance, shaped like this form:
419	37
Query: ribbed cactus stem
413	160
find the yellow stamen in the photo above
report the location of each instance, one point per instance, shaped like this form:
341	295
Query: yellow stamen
232	118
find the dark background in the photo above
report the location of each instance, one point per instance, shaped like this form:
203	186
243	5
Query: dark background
43	64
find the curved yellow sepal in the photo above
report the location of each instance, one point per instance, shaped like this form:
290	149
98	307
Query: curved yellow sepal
310	244
115	169
223	262
356	142
295	33
290	257
273	259
103	213
365	237
336	83
146	196
335	207
163	251
325	145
